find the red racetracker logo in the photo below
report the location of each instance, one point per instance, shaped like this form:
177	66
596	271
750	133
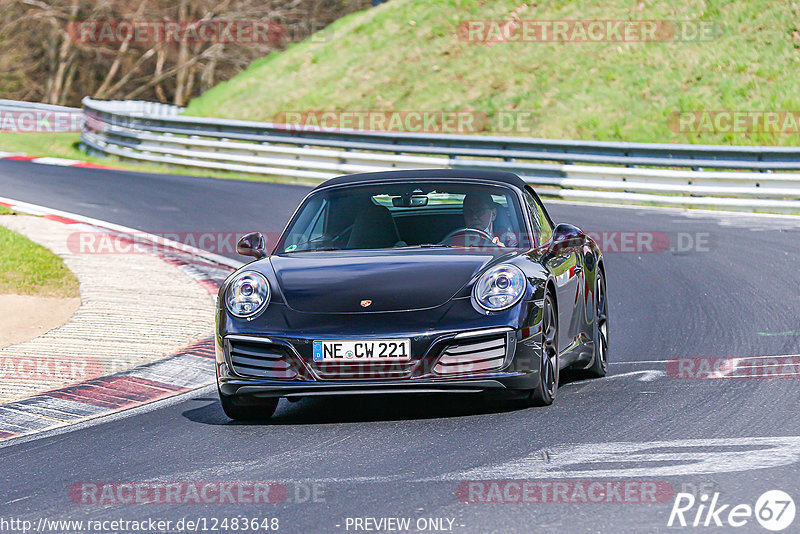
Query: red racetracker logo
766	367
631	241
735	121
146	243
427	121
586	31
564	491
103	493
617	241
649	241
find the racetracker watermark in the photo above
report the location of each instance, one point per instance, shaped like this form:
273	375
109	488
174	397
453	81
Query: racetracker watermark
427	121
760	367
413	121
614	241
732	121
586	31
653	241
565	491
774	510
50	368
147	243
191	31
33	121
239	523
194	492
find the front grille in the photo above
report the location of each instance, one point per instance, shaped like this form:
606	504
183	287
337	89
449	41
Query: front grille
362	370
260	359
473	355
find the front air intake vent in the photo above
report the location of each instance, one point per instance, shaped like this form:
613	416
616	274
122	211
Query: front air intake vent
471	356
260	359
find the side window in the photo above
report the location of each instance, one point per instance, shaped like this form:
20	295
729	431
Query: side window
547	229
541	226
308	227
318	228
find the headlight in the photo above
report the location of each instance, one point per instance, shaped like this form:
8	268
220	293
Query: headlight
247	294
499	288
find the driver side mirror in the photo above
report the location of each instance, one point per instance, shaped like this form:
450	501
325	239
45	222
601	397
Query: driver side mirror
565	235
252	244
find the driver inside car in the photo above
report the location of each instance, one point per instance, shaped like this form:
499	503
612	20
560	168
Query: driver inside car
480	212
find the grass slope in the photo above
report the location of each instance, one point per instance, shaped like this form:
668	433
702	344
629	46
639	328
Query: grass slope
406	55
27	268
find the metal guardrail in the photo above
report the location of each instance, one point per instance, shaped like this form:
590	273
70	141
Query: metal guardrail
578	170
133	108
23	117
19	105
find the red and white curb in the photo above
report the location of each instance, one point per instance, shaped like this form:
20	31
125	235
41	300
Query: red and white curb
186	370
60	162
179	373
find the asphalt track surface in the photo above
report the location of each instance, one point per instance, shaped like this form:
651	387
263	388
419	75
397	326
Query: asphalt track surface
737	296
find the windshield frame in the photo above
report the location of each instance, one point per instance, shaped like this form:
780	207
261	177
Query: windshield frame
520	199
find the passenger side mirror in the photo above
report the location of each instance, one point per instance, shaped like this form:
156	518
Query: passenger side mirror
252	244
565	235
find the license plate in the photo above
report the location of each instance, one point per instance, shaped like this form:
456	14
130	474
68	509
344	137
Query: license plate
362	350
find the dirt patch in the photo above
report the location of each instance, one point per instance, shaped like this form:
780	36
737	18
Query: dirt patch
24	317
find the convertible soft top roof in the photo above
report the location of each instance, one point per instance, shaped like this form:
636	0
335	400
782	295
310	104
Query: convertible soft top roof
507	178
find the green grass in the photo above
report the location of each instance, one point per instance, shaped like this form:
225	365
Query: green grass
406	55
60	145
27	268
66	145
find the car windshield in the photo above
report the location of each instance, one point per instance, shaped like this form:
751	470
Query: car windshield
405	215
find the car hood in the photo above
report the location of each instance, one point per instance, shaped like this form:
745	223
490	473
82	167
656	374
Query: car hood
393	280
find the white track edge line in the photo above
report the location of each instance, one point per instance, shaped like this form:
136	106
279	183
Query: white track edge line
35	209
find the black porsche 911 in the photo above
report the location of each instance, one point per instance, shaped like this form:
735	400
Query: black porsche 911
403	282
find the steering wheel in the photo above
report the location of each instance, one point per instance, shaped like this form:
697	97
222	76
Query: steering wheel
465	231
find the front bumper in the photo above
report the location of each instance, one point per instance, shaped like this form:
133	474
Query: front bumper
432	333
423	373
233	387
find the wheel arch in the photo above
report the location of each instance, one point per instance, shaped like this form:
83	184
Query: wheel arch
550	287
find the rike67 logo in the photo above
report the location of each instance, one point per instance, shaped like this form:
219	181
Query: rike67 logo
774	510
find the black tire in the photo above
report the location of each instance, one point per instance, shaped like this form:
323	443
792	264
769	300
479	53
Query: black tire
248	410
549	373
599	366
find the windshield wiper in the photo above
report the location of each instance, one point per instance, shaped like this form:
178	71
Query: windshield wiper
433	245
323	249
